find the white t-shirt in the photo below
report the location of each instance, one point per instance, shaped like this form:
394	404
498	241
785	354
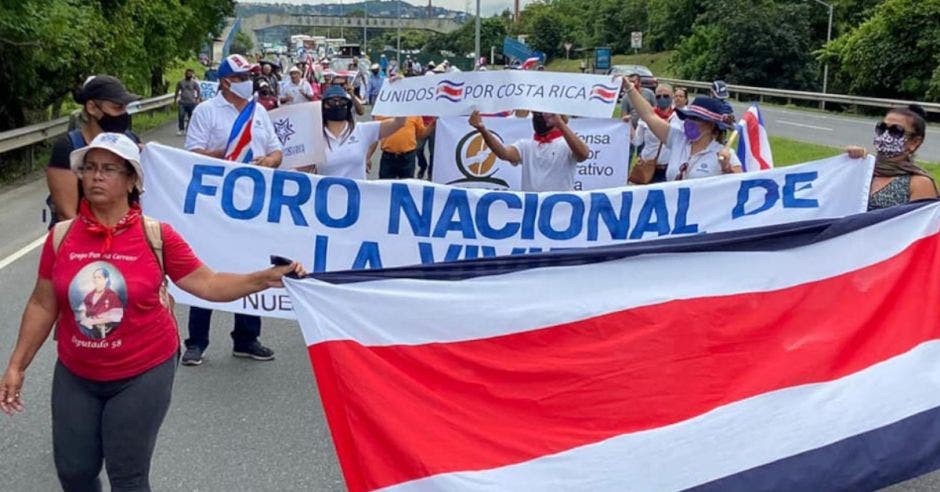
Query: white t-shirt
346	152
296	91
644	136
212	121
701	165
546	167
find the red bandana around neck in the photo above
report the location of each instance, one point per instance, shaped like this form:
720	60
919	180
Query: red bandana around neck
130	218
664	114
548	137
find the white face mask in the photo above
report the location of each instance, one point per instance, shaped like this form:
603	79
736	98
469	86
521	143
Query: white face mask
242	89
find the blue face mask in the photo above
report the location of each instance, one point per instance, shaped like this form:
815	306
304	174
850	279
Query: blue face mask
691	130
663	103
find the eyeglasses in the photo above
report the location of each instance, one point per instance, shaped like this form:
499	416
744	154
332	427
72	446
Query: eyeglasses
106	170
894	130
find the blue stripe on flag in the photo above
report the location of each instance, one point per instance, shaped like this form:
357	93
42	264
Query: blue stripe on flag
769	238
742	145
900	451
244	117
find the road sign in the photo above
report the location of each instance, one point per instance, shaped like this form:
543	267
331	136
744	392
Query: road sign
636	40
602	58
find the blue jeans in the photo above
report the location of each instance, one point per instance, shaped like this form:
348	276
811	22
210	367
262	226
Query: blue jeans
397	166
246	331
185	110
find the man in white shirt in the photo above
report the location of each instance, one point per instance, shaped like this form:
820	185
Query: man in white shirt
549	159
209	130
296	90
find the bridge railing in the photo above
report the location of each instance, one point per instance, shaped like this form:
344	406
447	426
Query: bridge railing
809	96
33	134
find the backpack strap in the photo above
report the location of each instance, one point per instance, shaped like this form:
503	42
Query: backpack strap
76	139
59	231
154	234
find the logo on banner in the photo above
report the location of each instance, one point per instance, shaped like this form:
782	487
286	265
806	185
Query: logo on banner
450	91
605	93
284	130
477	162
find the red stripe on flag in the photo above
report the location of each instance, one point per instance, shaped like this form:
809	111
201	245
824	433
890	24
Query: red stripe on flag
603	93
243	141
400	413
449	90
753	135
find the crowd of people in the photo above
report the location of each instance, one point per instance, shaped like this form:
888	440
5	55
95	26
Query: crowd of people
118	343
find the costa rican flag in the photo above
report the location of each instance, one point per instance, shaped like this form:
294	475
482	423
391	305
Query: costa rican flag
604	93
794	357
753	144
530	63
238	148
309	67
449	91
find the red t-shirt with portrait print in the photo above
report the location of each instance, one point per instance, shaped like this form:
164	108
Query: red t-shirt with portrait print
111	322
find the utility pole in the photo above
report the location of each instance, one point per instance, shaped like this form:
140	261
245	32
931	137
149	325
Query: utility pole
476	39
825	87
398	49
365	28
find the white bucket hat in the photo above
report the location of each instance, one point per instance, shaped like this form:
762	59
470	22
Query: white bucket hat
116	143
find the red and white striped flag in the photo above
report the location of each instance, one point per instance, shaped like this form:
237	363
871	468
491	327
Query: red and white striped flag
793	357
754	144
530	63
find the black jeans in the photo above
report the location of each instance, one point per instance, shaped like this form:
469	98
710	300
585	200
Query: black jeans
185	110
115	421
246	331
397	166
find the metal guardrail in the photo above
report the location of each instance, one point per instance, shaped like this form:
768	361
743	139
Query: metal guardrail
32	134
810	96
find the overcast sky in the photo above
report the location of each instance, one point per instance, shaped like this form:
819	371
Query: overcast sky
488	7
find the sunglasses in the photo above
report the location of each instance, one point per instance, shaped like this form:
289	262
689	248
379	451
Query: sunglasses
335	102
896	131
663	96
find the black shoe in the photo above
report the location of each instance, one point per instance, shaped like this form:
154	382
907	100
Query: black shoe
192	356
255	351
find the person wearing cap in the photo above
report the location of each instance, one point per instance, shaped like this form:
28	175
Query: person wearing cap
383	64
375	83
348	142
549	159
266	96
695	149
208	134
719	91
104	101
112	382
187	96
296	89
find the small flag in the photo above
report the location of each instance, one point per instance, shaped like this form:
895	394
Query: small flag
754	146
530	63
239	140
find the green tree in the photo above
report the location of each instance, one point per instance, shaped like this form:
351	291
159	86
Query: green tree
895	53
745	42
242	44
670	21
547	32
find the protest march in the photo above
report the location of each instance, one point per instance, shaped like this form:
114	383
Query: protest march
504	280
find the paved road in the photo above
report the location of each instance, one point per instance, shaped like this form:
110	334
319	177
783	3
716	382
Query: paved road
833	130
233	425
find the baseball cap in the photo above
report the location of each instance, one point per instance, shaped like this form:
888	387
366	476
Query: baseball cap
116	143
104	88
336	91
720	89
375	66
234	64
293	69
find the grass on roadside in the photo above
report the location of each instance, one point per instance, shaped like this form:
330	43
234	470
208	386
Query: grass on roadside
658	63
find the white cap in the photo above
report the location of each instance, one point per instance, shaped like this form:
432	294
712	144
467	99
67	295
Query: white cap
294	69
116	143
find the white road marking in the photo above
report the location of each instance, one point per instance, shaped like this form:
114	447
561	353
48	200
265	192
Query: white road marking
804	126
25	250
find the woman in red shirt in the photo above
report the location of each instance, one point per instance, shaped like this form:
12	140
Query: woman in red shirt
118	344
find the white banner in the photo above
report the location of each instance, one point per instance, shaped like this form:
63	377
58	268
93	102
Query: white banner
207	90
299	127
235	216
452	94
461	158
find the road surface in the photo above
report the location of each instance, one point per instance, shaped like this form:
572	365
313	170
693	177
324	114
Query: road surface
234	424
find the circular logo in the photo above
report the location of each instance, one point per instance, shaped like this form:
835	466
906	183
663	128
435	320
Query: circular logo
476	161
97	295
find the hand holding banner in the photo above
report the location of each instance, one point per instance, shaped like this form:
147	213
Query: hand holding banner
461	93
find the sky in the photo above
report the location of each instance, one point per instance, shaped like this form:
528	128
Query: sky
487	7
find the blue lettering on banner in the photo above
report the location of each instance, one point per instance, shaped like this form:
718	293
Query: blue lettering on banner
353	198
292	202
601	208
196	187
682	225
457	203
368	256
655	204
402	202
512	201
257	193
574	222
772	193
790	200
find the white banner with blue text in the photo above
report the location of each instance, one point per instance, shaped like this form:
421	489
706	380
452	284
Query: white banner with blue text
460	93
236	216
299	127
461	158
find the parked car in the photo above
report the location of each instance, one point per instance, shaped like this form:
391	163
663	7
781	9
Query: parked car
647	79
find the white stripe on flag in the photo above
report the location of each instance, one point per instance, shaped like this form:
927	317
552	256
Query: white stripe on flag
653	279
727	440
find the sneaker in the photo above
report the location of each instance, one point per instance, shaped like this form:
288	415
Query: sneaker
179	133
255	351
192	356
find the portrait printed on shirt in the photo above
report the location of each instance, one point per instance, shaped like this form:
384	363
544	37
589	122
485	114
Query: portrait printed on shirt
98	294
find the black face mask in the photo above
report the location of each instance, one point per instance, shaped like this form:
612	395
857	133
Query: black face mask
539	125
375	72
115	124
340	113
189	76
